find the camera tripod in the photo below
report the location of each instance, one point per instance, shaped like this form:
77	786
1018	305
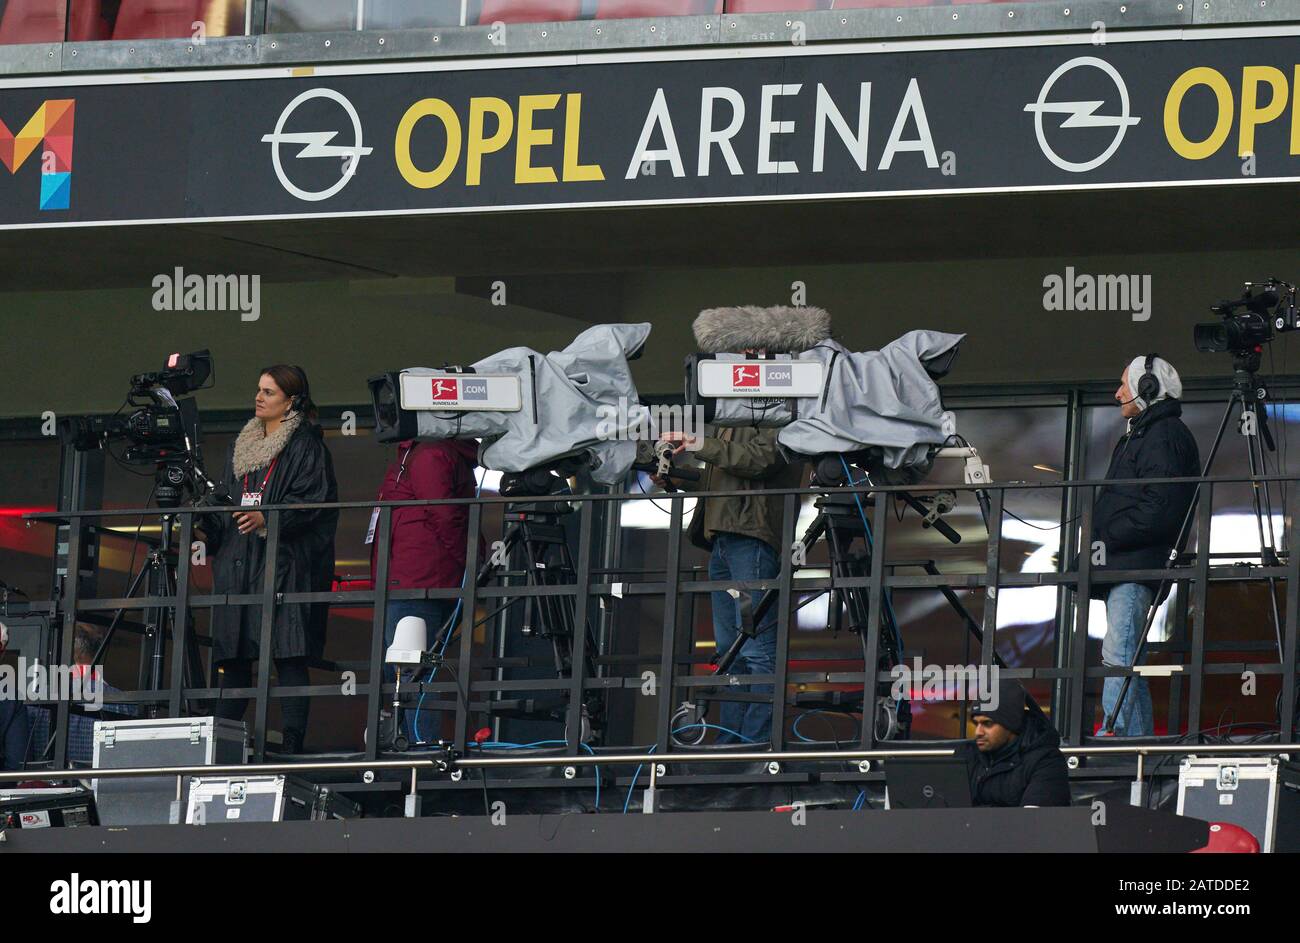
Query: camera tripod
1250	396
158	575
535	531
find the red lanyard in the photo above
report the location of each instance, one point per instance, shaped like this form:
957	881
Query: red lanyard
264	480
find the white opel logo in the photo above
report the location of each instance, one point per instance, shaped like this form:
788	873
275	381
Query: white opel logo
1081	115
317	144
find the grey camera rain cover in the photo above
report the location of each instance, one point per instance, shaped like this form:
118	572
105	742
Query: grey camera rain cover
881	398
580	399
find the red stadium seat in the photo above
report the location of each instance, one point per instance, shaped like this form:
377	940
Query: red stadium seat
647	9
86	22
1229	839
32	21
157	19
529	11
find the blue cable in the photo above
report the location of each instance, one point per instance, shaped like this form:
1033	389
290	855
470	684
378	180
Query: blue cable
794	728
628	801
415	724
860	801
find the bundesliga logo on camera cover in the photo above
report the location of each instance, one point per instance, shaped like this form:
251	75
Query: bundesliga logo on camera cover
457	390
752	376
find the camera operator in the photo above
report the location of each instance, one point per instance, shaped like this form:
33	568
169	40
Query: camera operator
279	457
427	544
743	537
1136	525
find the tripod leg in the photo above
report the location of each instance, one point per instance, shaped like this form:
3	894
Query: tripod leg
1267	548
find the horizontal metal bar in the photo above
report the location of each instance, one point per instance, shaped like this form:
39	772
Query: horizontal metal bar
64	516
626	759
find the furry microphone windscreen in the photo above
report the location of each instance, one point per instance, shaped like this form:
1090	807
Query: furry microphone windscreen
779	329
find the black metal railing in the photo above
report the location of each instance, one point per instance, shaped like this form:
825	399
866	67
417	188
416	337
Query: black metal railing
468	697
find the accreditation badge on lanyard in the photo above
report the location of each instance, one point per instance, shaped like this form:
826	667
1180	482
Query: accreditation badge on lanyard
254	498
374	513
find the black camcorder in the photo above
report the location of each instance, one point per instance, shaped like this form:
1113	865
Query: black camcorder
158	424
1248	323
159	429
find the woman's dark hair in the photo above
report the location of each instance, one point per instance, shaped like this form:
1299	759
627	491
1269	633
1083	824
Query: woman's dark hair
292	380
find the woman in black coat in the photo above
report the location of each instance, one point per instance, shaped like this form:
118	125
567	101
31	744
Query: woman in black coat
279	457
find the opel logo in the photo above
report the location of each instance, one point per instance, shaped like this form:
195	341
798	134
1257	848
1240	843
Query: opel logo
317	144
1082	114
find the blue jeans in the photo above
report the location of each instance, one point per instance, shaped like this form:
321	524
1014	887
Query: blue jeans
435	613
1126	613
738	557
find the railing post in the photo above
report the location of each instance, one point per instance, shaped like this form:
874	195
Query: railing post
1292	617
667	653
180	616
790	513
578	646
992	563
264	642
1078	662
875	606
61	713
378	622
1201	592
468	608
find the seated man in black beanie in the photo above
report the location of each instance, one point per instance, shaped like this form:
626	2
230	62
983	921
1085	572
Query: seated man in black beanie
1015	759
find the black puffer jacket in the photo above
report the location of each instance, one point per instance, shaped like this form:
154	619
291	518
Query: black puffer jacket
1138	524
1028	771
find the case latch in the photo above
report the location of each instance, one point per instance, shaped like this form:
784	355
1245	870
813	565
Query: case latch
1228	777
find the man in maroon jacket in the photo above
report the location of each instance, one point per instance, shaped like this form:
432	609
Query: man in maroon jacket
427	544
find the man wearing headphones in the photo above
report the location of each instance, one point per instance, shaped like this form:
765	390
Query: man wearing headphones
1135	525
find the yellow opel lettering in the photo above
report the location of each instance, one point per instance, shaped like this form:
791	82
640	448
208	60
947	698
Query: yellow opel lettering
479	145
1198	150
1251	114
529	137
427	108
573	170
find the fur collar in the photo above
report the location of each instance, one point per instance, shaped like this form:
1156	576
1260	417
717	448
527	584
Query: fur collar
255	449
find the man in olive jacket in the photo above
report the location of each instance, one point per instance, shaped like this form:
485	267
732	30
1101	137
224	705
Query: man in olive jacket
743	537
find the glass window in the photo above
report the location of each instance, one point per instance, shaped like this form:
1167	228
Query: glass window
402	14
305	16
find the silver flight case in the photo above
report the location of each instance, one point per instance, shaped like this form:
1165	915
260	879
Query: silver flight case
162	741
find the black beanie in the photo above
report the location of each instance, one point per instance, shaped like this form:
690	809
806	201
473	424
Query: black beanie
1010	710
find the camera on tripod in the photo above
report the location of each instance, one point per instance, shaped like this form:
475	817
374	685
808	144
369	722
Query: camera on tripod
159	430
1248	322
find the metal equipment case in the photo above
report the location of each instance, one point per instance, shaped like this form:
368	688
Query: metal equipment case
47	808
268	798
164	741
1241	790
